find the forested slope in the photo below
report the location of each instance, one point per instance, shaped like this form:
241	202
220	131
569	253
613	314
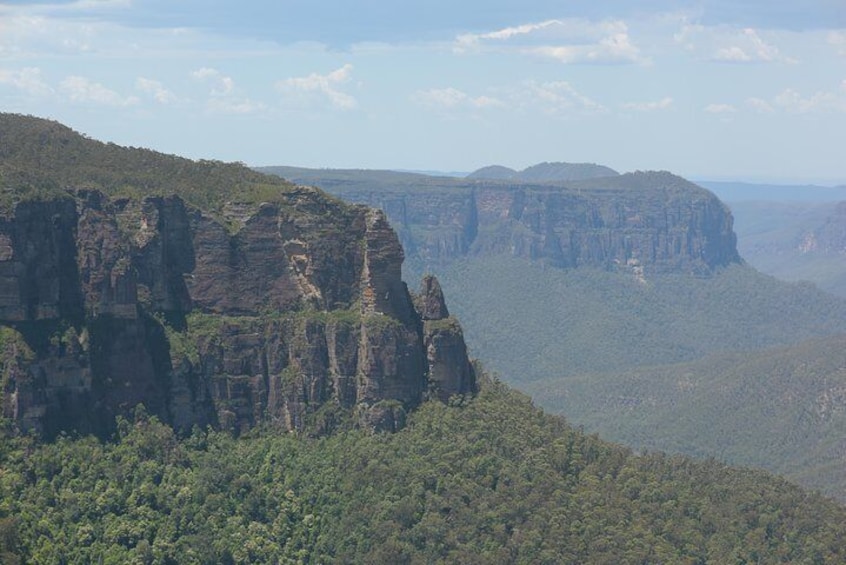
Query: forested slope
487	480
795	240
565	322
781	409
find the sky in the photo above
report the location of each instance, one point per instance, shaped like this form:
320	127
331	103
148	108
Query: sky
708	89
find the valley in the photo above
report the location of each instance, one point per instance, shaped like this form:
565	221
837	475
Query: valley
571	331
204	364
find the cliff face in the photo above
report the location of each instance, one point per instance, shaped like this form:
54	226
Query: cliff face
290	312
656	222
643	222
828	238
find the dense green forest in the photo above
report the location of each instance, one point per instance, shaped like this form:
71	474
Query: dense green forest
780	409
40	157
789	240
484	480
595	346
567	322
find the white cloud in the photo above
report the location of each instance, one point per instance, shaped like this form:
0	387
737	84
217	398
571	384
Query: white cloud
81	89
221	85
791	101
234	106
470	40
452	98
556	98
760	105
224	96
720	109
486	102
568	41
732	54
838	40
25	32
155	89
441	97
77	6
325	86
662	104
728	44
86	5
750	48
27	79
87	27
560	97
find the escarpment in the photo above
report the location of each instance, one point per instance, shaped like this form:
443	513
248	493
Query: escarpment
289	311
653	222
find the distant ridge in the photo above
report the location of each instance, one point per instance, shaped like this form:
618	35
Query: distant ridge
747	191
545	172
494	172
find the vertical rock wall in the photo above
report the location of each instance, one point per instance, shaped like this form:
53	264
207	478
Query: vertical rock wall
291	312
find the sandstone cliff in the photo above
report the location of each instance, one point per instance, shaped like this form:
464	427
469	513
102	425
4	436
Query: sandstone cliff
289	311
640	222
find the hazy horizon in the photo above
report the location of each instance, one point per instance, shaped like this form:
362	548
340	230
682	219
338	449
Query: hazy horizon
753	92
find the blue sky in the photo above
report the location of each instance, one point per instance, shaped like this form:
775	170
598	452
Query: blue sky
707	89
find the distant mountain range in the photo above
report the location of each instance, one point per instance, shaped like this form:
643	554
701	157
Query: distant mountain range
545	172
744	191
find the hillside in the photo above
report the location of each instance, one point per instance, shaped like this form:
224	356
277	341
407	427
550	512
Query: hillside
795	427
795	240
567	322
488	480
274	305
40	156
793	232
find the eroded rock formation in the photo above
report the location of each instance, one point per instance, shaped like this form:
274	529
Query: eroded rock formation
291	312
646	221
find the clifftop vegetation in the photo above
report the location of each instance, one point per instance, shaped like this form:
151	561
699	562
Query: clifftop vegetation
39	157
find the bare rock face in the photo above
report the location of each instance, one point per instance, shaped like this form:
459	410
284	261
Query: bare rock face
109	284
449	369
38	272
383	291
164	253
430	302
651	220
292	313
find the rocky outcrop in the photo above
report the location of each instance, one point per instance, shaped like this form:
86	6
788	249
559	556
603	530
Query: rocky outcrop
450	372
430	302
291	312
